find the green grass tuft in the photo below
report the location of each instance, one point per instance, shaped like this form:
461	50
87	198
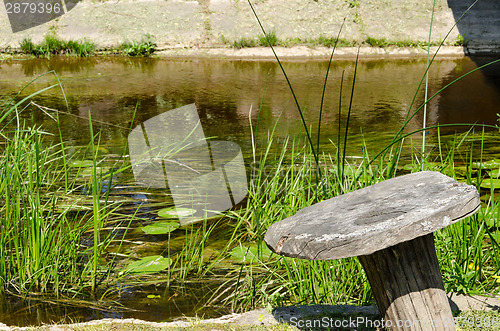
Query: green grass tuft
270	38
143	47
51	45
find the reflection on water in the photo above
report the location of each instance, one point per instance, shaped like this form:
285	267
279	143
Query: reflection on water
166	109
224	92
169	303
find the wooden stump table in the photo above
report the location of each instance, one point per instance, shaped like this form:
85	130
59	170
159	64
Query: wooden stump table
389	227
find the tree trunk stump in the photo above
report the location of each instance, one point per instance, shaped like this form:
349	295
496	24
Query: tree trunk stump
389	227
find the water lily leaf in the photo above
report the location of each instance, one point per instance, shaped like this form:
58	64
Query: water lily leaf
161	227
80	163
491	183
98	171
491	164
250	253
495	173
173	212
492	218
149	264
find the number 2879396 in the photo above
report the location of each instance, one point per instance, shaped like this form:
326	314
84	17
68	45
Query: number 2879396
33	8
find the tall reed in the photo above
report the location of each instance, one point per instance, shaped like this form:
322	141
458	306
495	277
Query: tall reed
44	239
282	184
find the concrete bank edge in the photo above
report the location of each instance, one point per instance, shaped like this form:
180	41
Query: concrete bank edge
288	53
263	317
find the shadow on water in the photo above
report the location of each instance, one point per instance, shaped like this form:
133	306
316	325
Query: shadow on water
480	27
471	103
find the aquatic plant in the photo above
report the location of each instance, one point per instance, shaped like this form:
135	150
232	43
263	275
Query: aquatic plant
281	190
51	242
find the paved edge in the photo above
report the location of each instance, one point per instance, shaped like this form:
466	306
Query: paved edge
289	53
308	52
288	314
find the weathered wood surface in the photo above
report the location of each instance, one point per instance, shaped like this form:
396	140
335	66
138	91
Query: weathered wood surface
407	284
373	218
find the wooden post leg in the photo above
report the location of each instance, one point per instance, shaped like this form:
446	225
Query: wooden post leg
407	284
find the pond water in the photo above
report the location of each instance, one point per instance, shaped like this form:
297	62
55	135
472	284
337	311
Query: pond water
122	93
225	91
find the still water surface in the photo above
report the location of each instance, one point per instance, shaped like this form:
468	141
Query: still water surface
225	91
225	95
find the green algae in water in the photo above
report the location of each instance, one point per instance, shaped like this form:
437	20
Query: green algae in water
489	183
173	212
149	264
81	164
160	228
492	164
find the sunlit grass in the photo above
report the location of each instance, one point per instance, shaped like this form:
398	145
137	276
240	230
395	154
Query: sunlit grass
52	45
46	229
143	47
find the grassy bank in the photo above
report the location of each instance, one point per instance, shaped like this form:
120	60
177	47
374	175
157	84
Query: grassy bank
52	45
330	41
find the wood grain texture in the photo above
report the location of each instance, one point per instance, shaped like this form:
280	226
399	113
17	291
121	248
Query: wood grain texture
373	218
407	285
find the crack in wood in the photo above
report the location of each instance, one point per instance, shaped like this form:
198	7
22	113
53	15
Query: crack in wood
279	244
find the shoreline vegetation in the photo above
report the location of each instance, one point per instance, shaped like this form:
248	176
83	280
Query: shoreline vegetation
321	47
